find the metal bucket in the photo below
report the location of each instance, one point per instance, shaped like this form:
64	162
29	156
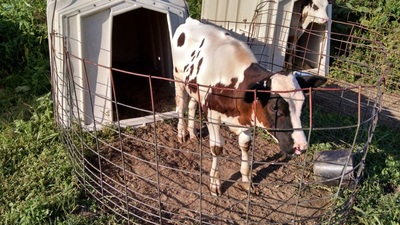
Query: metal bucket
330	166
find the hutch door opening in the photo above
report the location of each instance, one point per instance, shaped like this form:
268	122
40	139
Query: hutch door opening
141	45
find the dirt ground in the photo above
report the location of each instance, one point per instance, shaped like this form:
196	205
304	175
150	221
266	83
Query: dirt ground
147	173
153	171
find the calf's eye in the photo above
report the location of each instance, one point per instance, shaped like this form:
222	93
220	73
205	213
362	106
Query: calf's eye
274	108
315	7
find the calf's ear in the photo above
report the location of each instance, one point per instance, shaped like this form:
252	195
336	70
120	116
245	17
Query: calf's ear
260	88
310	81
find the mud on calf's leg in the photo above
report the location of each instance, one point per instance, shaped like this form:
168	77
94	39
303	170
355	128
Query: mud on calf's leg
215	182
216	147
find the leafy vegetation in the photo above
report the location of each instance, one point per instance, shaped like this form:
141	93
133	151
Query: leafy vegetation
36	181
195	8
23	44
381	20
378	198
37	185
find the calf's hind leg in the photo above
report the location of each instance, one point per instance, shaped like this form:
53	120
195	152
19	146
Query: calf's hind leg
181	97
191	117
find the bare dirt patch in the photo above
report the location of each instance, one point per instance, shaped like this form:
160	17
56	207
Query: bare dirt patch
155	175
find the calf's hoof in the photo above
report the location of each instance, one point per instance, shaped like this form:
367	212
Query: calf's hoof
247	186
181	139
215	190
193	136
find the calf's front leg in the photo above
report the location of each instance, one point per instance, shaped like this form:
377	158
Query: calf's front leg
244	144
216	147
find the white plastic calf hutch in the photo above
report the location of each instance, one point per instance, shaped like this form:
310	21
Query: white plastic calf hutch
265	26
93	41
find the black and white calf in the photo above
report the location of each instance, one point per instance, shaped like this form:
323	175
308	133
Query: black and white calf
211	58
305	13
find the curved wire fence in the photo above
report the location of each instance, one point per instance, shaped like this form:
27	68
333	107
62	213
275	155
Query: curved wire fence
135	167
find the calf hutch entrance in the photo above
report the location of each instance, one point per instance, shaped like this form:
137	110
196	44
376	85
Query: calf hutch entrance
140	44
113	94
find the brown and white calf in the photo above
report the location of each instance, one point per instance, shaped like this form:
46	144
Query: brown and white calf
214	68
305	13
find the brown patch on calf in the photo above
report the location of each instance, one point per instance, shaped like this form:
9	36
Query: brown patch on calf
231	102
181	40
226	100
222	100
193	55
254	75
191	69
246	146
261	115
186	66
216	150
192	85
303	18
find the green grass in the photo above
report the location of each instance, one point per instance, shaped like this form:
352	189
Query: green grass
378	195
37	185
36	181
378	199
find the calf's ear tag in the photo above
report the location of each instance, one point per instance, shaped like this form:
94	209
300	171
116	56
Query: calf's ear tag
265	84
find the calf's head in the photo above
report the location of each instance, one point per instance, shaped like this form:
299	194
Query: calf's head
314	11
281	108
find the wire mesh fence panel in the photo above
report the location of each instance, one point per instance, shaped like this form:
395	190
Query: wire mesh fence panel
136	167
